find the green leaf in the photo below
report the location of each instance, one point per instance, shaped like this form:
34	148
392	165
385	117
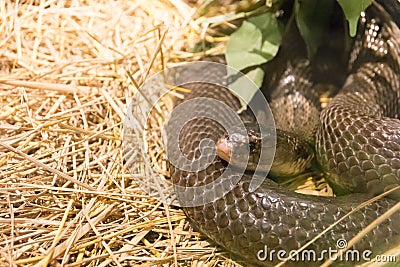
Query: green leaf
271	35
352	10
242	87
253	44
312	17
242	42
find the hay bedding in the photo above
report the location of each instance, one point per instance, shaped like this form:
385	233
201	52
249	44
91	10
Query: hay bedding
66	198
68	69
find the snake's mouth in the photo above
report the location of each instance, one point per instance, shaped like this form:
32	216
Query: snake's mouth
224	149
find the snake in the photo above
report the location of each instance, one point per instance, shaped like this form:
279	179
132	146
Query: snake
356	140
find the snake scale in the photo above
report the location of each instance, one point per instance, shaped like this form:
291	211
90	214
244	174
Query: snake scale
357	144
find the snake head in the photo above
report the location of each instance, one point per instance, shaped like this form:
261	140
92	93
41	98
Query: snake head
293	155
240	143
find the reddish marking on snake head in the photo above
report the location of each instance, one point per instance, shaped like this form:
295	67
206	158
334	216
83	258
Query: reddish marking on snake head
224	149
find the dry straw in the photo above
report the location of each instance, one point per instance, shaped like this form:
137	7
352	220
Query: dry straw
66	198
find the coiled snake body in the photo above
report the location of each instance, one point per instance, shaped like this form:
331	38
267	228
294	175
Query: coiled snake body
357	145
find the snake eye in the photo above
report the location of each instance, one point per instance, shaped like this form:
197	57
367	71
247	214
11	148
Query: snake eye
252	146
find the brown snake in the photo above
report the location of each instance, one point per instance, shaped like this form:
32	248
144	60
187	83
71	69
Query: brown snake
357	145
